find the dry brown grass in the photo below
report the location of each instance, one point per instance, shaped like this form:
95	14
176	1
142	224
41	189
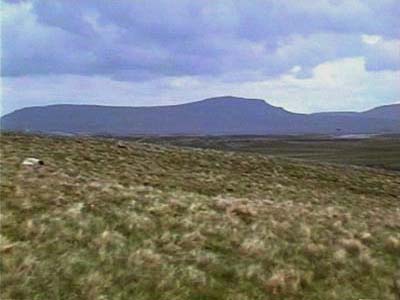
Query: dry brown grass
145	222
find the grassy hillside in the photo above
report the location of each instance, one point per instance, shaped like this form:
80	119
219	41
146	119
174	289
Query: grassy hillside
141	221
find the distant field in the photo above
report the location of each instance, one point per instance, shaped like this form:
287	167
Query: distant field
103	219
380	152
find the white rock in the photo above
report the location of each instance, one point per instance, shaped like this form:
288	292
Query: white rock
31	161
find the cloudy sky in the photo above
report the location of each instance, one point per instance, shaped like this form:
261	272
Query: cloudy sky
304	55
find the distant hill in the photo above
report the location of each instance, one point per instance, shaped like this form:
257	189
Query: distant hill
387	111
214	116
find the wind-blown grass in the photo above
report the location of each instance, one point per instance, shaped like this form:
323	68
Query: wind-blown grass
101	221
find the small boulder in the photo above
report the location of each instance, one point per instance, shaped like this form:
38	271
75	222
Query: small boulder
31	161
121	144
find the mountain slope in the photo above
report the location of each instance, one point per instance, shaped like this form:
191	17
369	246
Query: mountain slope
391	111
215	116
387	111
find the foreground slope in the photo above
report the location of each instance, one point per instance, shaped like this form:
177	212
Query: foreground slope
137	221
214	116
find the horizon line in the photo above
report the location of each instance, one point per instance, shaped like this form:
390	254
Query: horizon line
198	101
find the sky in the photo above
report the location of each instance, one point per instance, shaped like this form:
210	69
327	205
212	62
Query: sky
304	55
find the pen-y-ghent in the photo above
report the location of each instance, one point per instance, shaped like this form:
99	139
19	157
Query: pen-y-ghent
182	150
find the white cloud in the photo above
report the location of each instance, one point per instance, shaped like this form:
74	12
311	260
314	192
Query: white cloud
335	85
370	39
296	69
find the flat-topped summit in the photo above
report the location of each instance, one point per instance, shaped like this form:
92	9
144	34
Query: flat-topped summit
231	100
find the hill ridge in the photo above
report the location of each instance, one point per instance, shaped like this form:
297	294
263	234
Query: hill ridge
226	115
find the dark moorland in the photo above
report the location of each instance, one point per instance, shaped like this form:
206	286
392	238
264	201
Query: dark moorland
380	151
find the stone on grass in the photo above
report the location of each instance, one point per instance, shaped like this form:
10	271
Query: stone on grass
31	161
121	144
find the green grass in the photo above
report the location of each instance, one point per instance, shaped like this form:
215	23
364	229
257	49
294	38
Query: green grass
98	221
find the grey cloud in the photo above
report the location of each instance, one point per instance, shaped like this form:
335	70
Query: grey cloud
384	55
140	40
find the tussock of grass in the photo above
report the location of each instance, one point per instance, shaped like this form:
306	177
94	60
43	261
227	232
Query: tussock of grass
146	222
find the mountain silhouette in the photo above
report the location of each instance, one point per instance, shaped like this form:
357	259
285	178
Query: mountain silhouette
215	116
